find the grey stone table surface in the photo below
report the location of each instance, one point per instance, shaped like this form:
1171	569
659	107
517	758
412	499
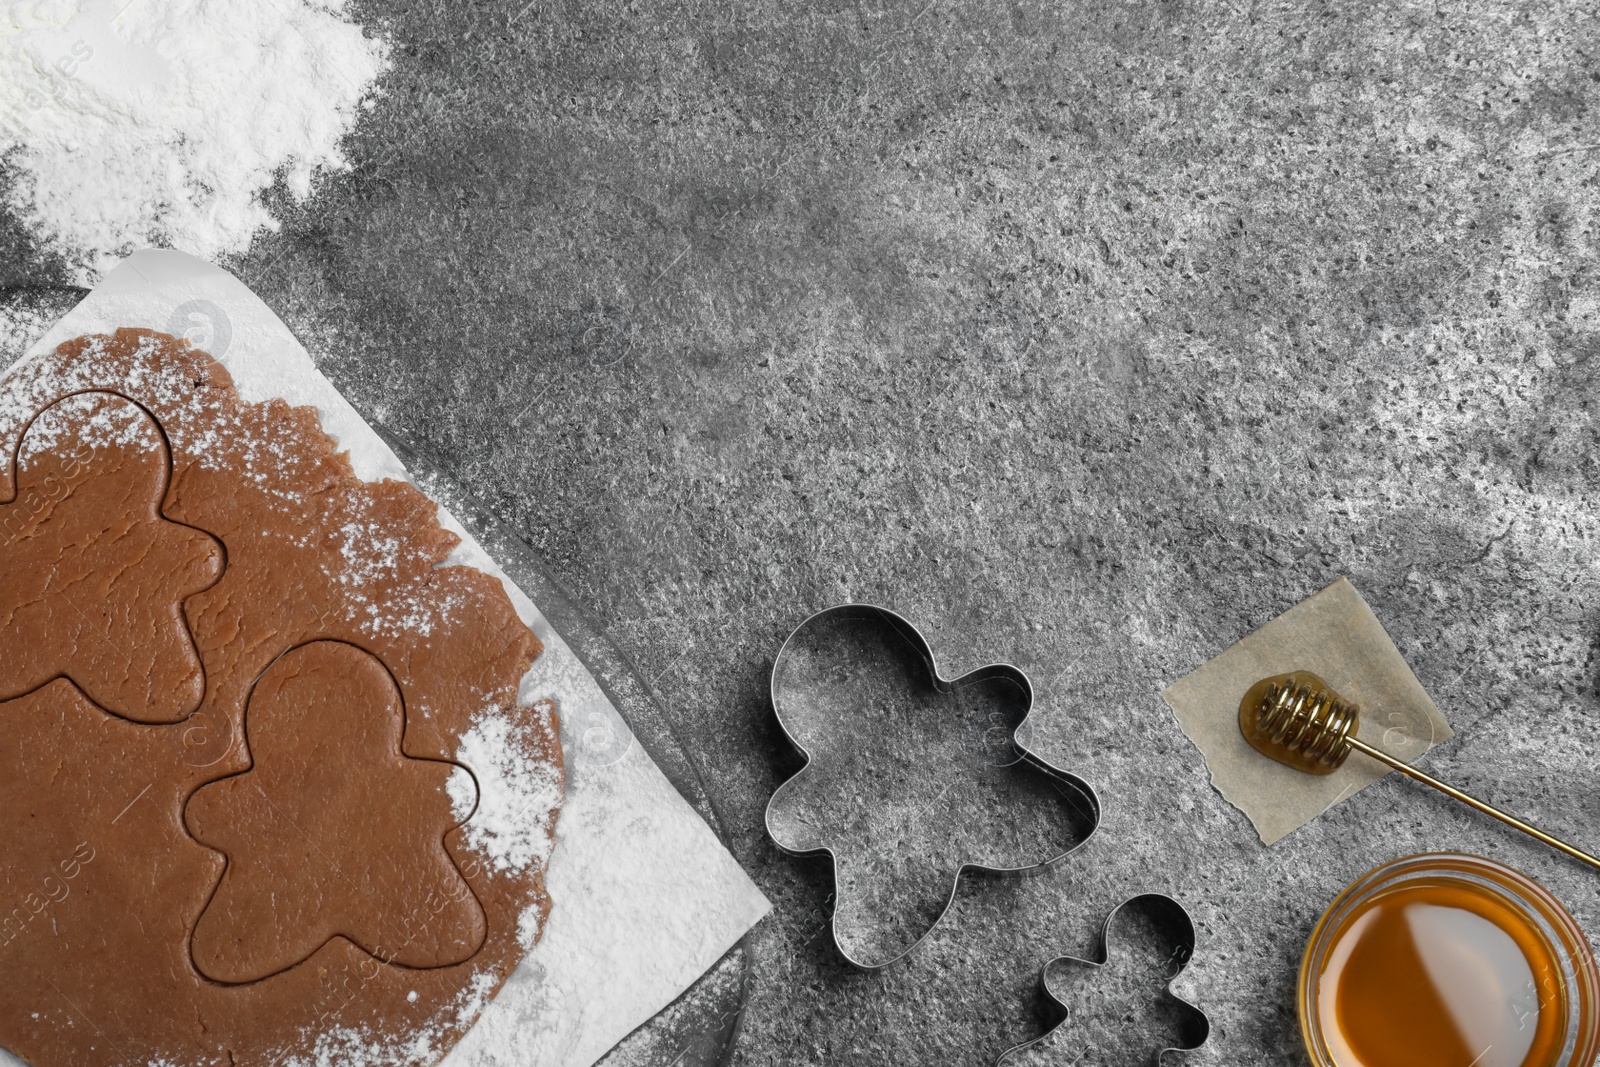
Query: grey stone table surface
1087	336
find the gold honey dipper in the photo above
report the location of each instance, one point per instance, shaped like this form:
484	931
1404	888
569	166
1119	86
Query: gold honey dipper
1297	720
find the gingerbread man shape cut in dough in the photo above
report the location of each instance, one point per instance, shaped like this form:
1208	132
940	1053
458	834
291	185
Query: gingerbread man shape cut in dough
333	832
92	576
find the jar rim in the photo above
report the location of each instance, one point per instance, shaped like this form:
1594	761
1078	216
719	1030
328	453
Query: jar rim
1579	977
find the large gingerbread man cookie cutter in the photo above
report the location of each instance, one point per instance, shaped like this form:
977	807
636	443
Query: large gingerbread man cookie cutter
814	666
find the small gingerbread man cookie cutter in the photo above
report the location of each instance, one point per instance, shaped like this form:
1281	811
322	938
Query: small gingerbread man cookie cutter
1174	922
1078	793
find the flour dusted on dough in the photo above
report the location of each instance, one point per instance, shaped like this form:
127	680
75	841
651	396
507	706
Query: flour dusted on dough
357	1046
518	791
159	122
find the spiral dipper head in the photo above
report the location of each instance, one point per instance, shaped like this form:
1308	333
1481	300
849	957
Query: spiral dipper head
1298	721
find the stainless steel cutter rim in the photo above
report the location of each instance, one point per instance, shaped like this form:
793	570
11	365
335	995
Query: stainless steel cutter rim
1189	936
944	685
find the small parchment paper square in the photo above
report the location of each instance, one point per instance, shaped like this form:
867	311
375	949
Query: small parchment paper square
1334	635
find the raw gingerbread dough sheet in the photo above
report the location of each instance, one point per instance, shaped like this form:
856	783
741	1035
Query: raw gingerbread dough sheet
237	688
646	898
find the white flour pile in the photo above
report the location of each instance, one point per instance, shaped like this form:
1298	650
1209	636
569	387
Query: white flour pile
126	123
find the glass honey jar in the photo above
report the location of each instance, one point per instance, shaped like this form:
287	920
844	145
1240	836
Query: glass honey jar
1445	960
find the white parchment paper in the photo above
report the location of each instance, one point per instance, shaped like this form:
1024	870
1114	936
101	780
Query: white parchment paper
645	898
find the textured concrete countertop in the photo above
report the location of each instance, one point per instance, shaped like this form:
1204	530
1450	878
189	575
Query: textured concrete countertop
1088	336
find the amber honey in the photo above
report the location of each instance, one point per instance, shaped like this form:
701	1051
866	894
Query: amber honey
1440	976
1448	961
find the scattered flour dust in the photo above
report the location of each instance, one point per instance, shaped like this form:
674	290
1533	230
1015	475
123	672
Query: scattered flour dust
352	1046
23	321
88	421
160	122
518	792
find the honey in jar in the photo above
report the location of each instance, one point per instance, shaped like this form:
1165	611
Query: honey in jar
1446	967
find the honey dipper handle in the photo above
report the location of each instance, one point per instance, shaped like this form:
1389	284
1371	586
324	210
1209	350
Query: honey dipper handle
1407	769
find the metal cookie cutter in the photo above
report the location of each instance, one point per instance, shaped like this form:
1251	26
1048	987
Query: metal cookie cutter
857	687
1172	926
